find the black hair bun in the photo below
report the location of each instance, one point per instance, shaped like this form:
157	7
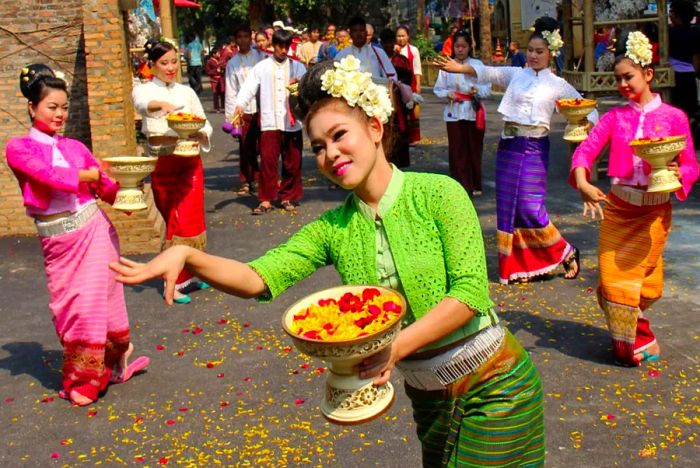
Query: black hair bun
310	91
30	77
545	23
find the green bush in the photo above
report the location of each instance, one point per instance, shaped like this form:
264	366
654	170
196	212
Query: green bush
425	47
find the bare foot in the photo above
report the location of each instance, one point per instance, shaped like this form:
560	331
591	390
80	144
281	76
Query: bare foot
79	399
652	353
124	359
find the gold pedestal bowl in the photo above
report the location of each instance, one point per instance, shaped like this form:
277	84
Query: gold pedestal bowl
575	112
658	152
129	171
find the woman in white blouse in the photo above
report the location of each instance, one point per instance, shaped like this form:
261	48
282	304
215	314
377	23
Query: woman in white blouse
411	52
178	182
529	245
464	116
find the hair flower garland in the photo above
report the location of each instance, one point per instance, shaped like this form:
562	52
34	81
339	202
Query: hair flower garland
638	48
357	89
554	41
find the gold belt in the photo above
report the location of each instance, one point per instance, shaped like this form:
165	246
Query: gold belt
67	224
512	129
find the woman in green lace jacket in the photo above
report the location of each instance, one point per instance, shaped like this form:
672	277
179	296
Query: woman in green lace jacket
419	234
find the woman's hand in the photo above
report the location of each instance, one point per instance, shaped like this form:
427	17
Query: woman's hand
591	196
378	365
448	64
89	175
451	95
200	137
673	167
167	265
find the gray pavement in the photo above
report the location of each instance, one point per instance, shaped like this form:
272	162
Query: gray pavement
226	386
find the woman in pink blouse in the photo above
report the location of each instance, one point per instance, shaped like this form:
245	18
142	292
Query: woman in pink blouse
60	180
634	223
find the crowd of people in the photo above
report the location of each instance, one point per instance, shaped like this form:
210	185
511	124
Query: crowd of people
415	232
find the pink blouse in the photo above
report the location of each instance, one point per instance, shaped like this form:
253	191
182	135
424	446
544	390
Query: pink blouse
619	126
40	180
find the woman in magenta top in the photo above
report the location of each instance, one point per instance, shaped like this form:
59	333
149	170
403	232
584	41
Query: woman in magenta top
634	223
60	180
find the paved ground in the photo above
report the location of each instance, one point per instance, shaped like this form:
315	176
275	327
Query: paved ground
226	387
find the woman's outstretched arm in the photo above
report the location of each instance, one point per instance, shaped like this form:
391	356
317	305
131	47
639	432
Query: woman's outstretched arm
225	274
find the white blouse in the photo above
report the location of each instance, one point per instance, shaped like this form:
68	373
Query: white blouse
446	82
237	70
155	123
272	78
417	67
530	97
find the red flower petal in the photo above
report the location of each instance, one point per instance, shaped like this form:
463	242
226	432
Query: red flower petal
391	306
197	331
9	400
222	321
139	459
611	417
160	347
320	370
185	330
224	404
170	422
55	455
210	365
298	401
163	461
92	413
183	409
66	441
247	379
370	293
47	399
653	373
220	375
246	324
180	353
304	366
258	347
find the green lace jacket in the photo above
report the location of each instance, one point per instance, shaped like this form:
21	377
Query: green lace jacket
435	239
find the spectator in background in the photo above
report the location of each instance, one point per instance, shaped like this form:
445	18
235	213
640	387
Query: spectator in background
411	53
372	59
651	31
684	56
447	45
370	36
194	54
328	40
310	49
342	41
227	51
517	57
262	41
213	69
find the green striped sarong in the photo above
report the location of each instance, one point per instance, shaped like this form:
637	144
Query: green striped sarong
492	417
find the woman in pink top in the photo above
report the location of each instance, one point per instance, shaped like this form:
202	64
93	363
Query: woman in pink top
60	180
634	223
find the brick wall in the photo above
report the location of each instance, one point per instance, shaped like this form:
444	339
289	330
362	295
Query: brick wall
86	40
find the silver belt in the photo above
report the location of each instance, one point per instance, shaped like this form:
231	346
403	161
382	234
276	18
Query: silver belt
68	224
639	197
438	372
517	130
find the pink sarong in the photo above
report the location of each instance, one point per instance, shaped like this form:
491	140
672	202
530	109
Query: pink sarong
87	303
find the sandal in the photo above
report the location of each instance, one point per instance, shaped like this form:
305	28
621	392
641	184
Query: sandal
288	205
244	190
261	209
568	264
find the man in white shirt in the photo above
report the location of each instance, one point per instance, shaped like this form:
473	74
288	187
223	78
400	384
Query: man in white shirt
237	70
372	59
281	131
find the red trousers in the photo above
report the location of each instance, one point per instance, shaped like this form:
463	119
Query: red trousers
289	145
248	146
465	145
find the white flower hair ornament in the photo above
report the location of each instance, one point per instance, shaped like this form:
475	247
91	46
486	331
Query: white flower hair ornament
554	41
638	48
357	89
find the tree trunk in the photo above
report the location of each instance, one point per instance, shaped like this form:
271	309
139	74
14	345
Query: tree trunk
420	13
485	31
256	12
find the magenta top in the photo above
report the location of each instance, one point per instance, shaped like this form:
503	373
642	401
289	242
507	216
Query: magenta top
619	126
41	180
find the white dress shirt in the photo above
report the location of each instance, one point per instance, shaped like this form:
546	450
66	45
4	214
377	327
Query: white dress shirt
237	70
372	59
530	97
459	82
272	78
155	123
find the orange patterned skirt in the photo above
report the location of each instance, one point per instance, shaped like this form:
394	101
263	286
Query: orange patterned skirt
630	246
